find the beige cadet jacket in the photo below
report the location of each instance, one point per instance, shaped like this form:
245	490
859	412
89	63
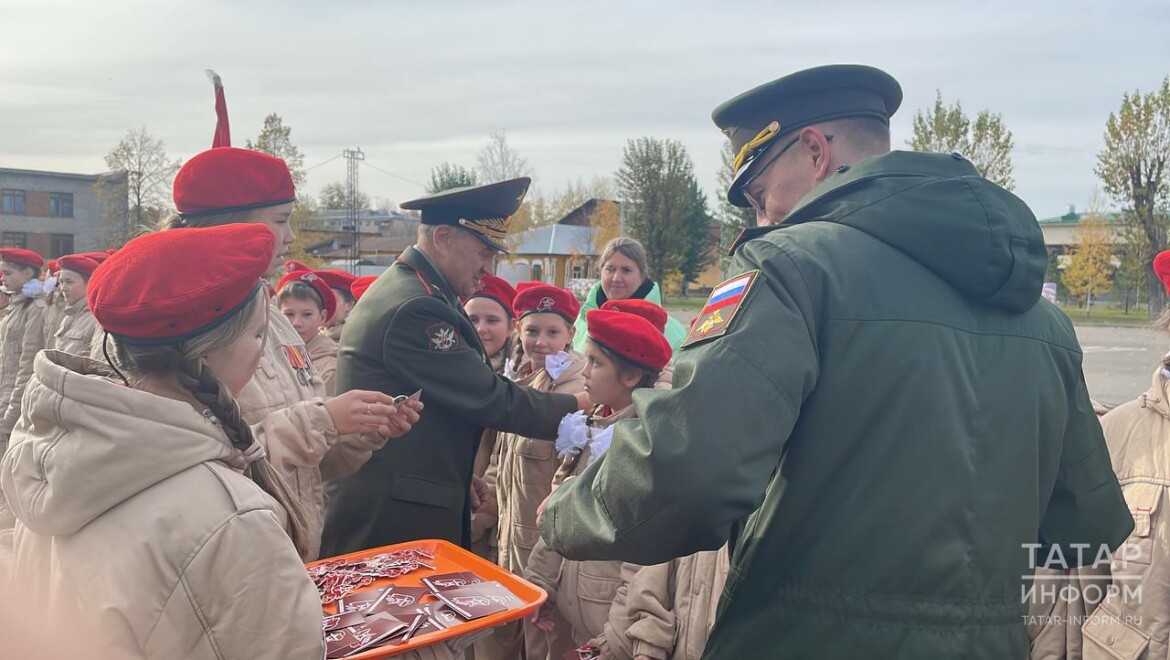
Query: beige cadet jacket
582	591
665	611
522	470
132	520
283	403
55	309
323	352
22	334
1128	626
75	330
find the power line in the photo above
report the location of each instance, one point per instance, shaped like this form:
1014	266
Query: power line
391	174
325	162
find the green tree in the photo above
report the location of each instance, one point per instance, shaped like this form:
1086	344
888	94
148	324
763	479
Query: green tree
275	139
733	219
335	197
149	173
1090	271
449	175
654	186
1132	168
986	142
701	243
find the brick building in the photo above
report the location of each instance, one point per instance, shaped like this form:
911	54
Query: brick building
56	213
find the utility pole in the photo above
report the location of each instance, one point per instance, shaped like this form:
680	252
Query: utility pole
352	157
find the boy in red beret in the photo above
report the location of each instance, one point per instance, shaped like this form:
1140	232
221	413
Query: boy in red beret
309	303
341	282
624	352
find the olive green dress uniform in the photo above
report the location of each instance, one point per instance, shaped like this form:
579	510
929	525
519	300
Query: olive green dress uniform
409	332
880	419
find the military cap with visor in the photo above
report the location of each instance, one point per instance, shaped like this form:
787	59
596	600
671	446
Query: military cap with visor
757	120
483	210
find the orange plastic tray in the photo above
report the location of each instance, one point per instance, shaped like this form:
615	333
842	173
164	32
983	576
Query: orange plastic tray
449	558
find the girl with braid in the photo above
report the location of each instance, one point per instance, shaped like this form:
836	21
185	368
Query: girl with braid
145	507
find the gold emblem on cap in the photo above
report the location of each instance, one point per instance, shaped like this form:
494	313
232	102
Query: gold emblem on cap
752	148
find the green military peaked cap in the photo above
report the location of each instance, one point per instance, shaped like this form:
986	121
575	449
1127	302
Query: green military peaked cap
756	118
482	210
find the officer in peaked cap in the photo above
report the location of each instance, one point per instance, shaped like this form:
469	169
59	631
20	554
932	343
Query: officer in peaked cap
409	332
902	288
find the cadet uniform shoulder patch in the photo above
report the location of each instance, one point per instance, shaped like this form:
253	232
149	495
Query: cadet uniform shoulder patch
441	336
725	302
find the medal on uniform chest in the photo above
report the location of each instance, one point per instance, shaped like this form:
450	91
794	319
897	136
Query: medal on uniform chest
298	359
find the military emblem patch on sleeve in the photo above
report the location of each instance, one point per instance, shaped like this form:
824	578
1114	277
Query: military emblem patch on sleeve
441	337
722	306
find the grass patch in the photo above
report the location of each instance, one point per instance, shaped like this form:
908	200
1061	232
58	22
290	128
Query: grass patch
1106	316
694	303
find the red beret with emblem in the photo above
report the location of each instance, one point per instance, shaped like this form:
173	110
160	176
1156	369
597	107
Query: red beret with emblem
359	286
338	279
528	284
630	336
318	283
292	266
22	257
79	263
546	298
497	289
158	289
650	311
1162	268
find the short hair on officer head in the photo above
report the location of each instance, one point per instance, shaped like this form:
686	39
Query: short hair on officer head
864	136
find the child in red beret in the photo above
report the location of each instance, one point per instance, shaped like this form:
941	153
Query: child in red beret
490	311
342	283
142	496
22	334
522	469
308	303
624	352
76	328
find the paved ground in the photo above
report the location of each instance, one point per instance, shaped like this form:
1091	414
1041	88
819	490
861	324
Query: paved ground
1118	361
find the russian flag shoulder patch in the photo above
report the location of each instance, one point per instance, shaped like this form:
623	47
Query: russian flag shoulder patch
722	306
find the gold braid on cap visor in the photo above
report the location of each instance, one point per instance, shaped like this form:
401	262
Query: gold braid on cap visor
495	229
753	148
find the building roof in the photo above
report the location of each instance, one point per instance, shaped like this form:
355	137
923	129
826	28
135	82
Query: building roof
1074	218
61	175
368	245
555	239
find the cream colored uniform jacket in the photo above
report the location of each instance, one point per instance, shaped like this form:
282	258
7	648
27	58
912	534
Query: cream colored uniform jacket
133	523
323	352
582	591
288	416
522	471
22	334
76	330
55	310
665	611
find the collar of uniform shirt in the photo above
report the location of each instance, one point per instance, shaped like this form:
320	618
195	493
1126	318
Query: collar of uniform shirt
448	292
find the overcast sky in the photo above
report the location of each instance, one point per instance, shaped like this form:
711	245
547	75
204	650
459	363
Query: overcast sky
417	83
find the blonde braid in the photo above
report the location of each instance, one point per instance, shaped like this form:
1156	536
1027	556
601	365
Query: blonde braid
195	376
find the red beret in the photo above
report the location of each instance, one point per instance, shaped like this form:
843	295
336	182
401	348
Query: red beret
96	256
1162	268
227	179
338	279
22	257
497	289
313	279
360	285
546	298
52	266
520	286
79	263
652	312
629	336
158	289
292	266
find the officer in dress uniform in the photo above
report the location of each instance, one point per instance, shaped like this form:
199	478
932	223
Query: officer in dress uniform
410	333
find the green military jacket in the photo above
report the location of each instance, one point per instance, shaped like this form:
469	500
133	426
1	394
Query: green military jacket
409	332
881	423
